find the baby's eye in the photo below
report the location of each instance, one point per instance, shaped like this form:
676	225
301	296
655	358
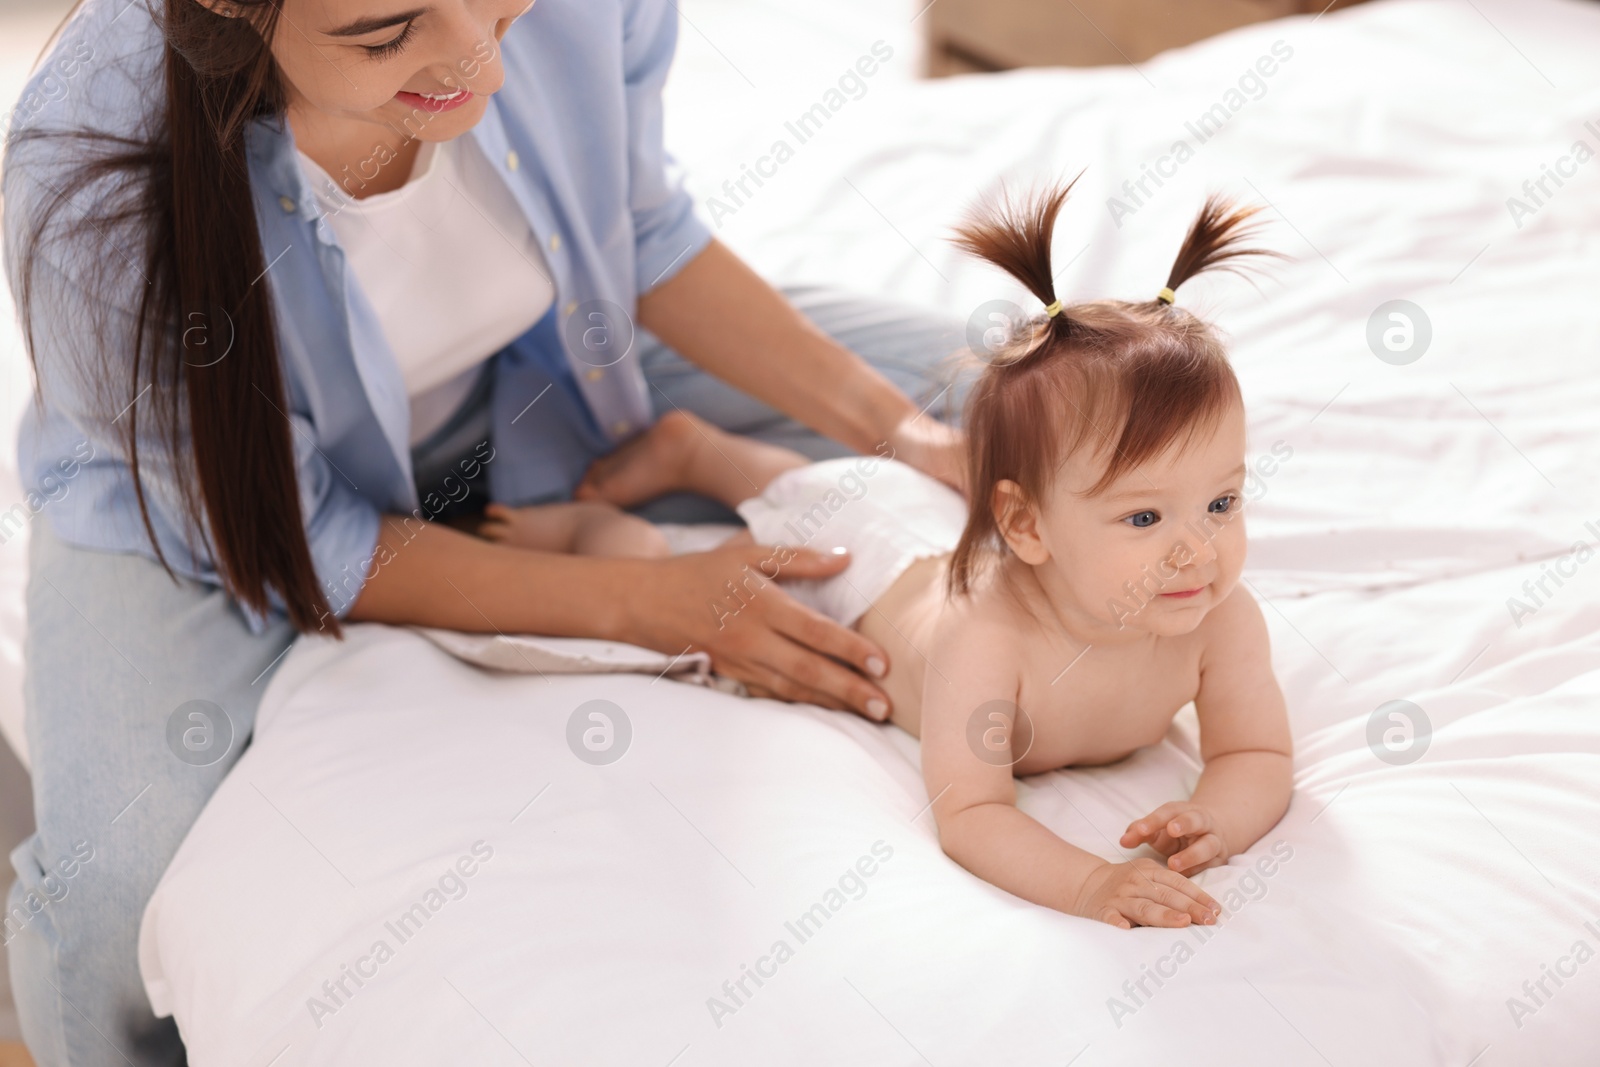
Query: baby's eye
1141	519
1223	504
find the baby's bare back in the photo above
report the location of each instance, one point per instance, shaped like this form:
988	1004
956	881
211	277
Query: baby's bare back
1085	705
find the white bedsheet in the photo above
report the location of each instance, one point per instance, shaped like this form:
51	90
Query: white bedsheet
1415	901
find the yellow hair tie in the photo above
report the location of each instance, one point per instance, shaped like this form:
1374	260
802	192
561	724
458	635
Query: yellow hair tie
1053	310
1167	296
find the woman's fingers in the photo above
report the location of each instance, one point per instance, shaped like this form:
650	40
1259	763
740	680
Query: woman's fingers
819	640
810	671
758	633
774	686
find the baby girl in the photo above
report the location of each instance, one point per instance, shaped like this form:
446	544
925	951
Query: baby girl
1091	592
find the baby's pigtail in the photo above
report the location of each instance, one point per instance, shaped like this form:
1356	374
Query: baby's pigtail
1015	236
1215	241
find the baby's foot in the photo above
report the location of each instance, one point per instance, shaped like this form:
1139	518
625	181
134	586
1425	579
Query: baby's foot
537	528
653	464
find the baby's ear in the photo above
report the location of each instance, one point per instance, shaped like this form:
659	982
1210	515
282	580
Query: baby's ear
1017	519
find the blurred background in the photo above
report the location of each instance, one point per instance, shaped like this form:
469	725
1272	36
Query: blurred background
725	53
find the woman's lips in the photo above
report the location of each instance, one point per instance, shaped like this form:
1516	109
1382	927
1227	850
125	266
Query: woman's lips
1185	593
434	104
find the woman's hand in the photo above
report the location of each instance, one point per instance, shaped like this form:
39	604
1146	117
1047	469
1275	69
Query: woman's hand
1143	893
728	603
933	448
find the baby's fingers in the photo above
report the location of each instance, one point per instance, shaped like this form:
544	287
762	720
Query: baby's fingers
1188	823
1177	901
1115	918
1148	912
1198	854
1146	828
1176	881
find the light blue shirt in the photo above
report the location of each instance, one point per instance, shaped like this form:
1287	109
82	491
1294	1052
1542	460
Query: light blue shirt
576	134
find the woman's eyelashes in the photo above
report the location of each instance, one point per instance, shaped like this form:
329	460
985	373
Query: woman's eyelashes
391	47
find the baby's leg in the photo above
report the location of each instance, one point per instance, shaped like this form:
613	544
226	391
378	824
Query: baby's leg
584	528
683	453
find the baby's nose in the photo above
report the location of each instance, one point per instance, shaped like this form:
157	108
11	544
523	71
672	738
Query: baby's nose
1188	556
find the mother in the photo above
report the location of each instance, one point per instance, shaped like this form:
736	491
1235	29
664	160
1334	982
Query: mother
300	278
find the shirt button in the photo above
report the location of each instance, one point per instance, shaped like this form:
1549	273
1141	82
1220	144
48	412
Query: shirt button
595	374
572	305
620	428
512	162
287	203
555	242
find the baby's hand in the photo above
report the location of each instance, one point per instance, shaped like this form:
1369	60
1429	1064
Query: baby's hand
1146	893
1184	833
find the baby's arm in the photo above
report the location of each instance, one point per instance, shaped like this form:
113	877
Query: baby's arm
974	803
1244	740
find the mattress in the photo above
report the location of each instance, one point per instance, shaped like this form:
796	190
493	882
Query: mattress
418	861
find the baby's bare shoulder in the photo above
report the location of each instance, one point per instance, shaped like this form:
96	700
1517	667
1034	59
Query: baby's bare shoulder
980	622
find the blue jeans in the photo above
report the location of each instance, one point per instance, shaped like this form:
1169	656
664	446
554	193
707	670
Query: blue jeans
141	693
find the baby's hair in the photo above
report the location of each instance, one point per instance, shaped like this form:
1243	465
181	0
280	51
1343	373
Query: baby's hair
1129	377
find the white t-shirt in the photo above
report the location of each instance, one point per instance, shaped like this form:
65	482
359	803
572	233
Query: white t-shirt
450	266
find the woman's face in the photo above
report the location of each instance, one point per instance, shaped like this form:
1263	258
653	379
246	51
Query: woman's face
423	69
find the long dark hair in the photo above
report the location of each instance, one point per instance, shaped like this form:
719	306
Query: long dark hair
1124	377
220	418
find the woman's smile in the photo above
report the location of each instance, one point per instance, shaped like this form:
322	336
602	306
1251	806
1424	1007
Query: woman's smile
434	102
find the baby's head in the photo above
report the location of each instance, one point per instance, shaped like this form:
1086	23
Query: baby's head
1107	439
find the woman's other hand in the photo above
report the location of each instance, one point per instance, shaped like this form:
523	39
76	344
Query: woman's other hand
730	603
933	448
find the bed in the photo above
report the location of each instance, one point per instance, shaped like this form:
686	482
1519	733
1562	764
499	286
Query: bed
758	882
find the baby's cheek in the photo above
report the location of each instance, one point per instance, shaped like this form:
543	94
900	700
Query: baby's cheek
1230	564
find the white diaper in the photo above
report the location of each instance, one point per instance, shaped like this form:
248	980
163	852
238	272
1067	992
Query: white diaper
887	514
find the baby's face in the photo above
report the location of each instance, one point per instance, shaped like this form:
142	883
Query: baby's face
1162	546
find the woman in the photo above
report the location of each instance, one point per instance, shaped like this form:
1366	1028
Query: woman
297	280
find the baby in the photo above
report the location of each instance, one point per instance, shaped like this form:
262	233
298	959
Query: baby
1091	592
